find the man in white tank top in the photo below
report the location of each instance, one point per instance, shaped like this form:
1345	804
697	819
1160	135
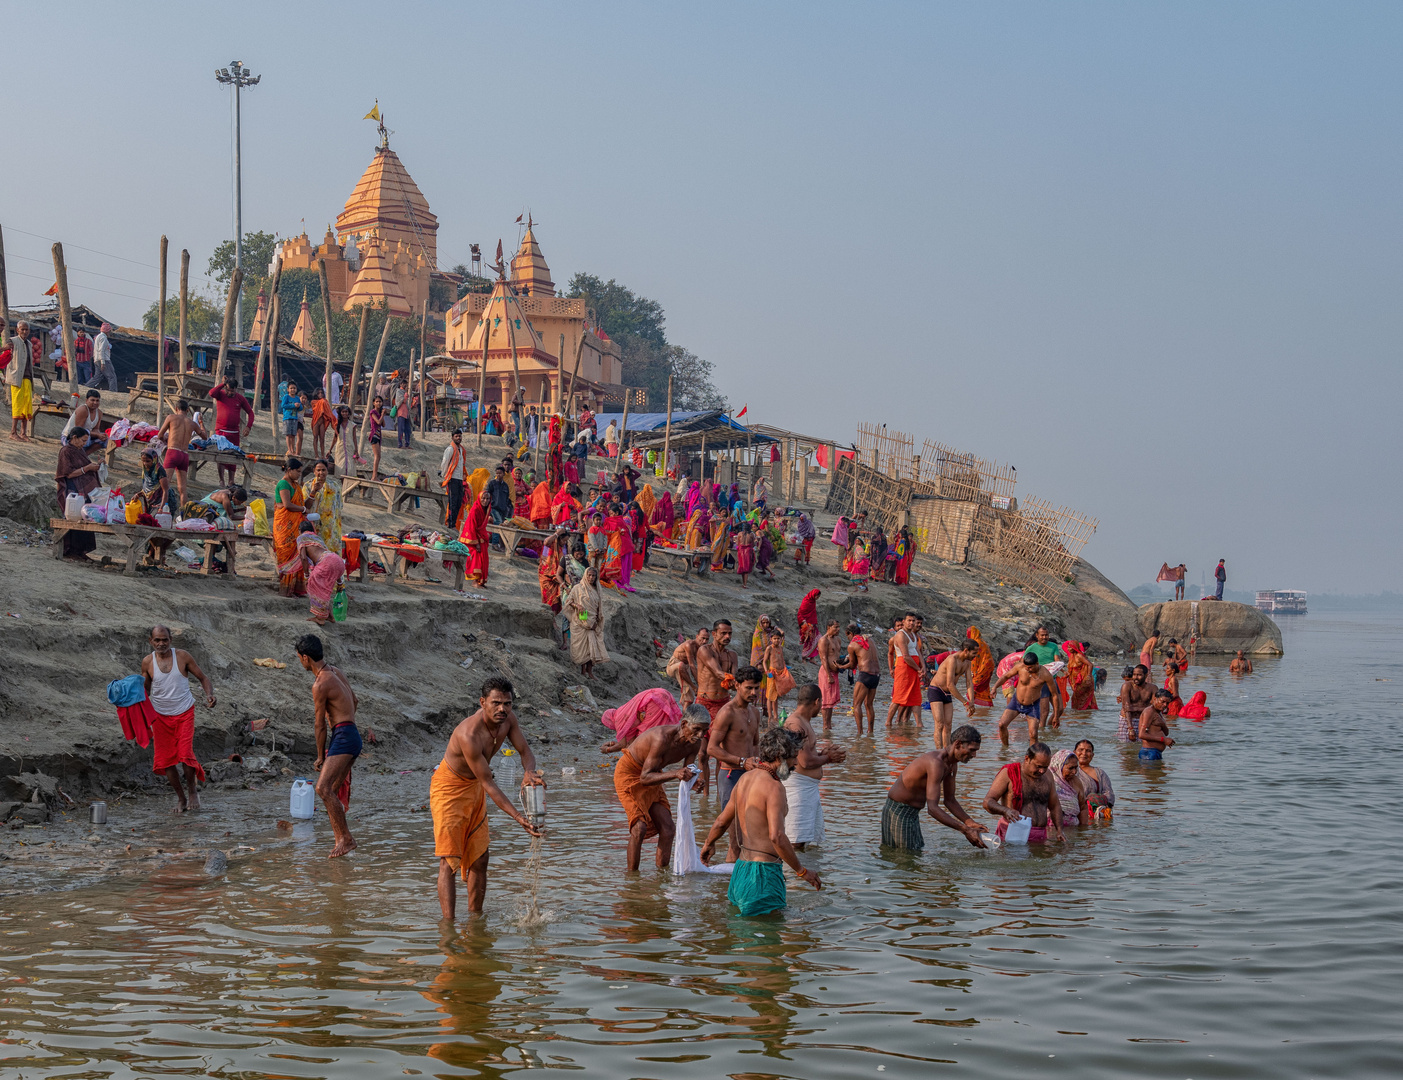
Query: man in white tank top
168	673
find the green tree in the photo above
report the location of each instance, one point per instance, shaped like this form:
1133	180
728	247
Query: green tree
692	387
472	283
204	320
258	254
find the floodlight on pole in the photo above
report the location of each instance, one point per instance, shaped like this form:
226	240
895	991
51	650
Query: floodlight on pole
239	77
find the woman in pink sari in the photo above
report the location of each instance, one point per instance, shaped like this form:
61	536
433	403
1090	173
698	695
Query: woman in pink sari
647	710
327	570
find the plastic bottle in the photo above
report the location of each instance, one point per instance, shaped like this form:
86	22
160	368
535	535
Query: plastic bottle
302	800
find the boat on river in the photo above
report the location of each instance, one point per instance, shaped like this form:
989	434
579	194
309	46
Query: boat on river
1282	601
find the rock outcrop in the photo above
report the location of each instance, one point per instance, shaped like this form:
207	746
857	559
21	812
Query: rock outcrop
1223	627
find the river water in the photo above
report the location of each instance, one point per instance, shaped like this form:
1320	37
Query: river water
1238	919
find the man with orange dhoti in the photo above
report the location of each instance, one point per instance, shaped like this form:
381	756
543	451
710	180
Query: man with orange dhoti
167	673
459	789
639	780
981	670
474	537
908	670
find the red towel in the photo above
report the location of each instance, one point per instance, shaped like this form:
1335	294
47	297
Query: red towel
136	722
1015	784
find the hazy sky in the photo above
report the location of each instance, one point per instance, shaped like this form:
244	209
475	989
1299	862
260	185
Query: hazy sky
1147	254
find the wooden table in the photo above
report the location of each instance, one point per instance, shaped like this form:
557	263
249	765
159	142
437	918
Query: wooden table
397	566
512	535
135	537
395	495
685	556
199	457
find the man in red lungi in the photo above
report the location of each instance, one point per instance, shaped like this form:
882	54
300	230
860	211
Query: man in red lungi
168	673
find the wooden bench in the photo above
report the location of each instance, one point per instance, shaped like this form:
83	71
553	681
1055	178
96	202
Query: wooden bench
512	535
135	537
685	556
395	495
397	566
198	458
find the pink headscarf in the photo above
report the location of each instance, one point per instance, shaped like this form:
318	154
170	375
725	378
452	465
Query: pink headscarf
104	328
650	709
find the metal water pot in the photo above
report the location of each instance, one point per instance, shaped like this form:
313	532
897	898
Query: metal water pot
97	813
533	802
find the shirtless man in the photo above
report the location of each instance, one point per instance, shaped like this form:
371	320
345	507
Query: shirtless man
335	704
1134	697
639	776
804	822
1033	680
862	660
754	818
1154	729
1240	664
907	668
176	430
928	781
1147	650
1024	789
682	666
944	688
459	789
732	739
829	664
715	667
1178	654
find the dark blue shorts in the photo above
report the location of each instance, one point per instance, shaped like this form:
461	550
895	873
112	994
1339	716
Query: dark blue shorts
726	779
1027	710
1149	754
345	739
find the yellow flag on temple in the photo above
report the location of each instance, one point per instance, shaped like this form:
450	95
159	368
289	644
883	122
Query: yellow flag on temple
373	114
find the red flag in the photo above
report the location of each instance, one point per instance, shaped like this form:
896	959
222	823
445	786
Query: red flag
52	290
742	411
499	251
519	217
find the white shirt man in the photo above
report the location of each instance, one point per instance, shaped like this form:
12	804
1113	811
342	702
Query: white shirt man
333	395
102	360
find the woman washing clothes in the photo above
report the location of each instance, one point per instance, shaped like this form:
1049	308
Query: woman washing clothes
324	577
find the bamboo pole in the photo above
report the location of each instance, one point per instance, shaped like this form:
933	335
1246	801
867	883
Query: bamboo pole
360	357
65	314
540	427
623	432
161	342
275	314
423	370
570	391
702	477
236	282
4	294
270	331
326	315
374	375
482	372
516	370
409	389
184	312
667	430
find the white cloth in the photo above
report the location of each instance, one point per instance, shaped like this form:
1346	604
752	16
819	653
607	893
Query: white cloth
333	396
686	859
170	690
804	822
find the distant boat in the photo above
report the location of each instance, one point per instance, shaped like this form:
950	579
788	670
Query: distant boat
1282	601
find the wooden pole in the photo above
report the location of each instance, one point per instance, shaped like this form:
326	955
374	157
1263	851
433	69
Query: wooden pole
374	375
184	310
540	425
275	314
161	342
702	478
326	315
482	372
667	430
857	462
261	360
4	294
511	340
360	358
423	360
65	314
623	432
235	284
570	391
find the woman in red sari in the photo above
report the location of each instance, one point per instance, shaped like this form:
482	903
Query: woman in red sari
808	624
548	571
663	519
617	569
907	555
539	512
1080	676
474	536
565	505
521	496
638	532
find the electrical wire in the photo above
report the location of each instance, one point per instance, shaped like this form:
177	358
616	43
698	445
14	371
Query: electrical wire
90	288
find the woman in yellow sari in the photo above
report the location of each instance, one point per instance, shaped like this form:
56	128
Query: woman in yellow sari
699	529
288	514
323	498
981	670
720	538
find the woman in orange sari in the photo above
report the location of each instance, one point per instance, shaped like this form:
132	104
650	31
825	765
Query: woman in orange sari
981	669
288	514
540	506
548	571
699	529
720	538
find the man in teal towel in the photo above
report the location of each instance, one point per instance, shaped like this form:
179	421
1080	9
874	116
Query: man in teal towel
758	807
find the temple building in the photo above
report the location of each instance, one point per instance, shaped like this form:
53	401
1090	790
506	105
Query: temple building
384	248
547	333
302	332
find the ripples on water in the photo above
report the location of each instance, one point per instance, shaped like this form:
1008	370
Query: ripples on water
1236	920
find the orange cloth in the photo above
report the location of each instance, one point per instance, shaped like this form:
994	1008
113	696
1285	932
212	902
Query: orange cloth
459	809
906	689
540	506
981	668
637	798
322	412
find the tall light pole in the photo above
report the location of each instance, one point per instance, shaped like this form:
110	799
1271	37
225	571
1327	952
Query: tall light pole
238	76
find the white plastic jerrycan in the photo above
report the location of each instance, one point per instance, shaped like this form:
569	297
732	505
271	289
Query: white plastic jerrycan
302	800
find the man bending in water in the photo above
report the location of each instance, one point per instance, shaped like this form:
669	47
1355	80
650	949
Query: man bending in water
639	779
459	789
1025	789
928	781
1033	680
335	704
756	813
